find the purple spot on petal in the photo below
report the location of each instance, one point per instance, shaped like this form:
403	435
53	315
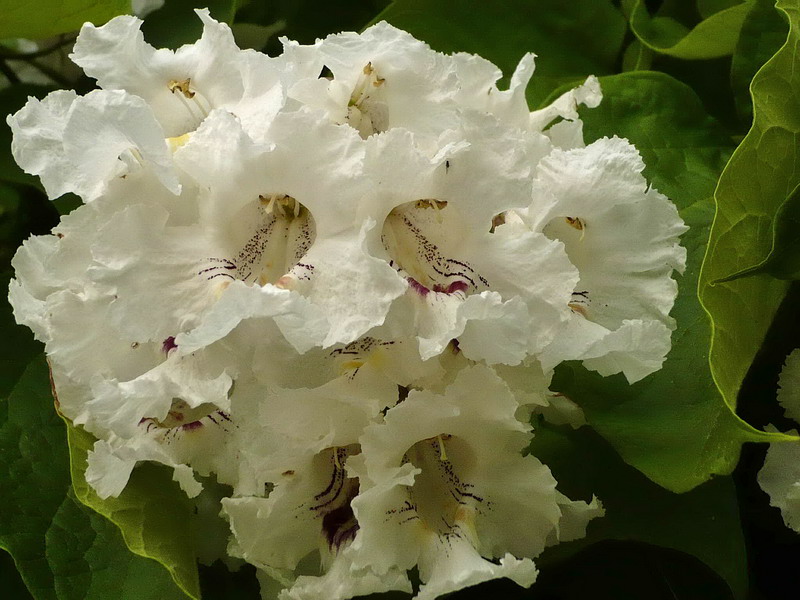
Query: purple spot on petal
417	286
456	286
169	345
339	526
192	426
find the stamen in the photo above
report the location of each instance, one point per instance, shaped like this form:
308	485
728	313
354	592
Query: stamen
267	203
437	205
185	93
442	452
182	87
578	224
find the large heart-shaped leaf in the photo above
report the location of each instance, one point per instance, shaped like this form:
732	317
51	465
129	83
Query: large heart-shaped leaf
714	36
762	173
154	515
63	550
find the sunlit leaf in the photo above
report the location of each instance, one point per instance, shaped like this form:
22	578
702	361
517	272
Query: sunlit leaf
62	549
37	19
762	173
763	33
712	37
152	512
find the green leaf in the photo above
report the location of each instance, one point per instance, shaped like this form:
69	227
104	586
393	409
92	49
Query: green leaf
154	515
62	549
706	8
763	33
572	39
779	120
674	425
783	261
713	37
38	19
703	522
637	57
762	172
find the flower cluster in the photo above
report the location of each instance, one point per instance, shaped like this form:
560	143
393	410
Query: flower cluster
338	281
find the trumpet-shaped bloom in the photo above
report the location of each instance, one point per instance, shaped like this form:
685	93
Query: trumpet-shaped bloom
444	487
623	237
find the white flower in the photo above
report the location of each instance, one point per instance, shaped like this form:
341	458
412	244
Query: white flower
443	486
780	475
623	238
298	443
183	86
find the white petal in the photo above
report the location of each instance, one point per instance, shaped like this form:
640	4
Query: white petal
449	567
565	106
38	146
780	479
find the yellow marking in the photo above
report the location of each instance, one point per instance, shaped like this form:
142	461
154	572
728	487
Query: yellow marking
221	287
579	308
178	141
352	365
336	458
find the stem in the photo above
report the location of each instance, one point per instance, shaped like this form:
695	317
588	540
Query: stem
51	73
8	72
44	51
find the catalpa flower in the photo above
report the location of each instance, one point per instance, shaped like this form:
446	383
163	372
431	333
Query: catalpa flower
444	487
338	281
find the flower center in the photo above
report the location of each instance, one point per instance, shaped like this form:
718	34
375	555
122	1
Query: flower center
422	241
444	501
196	105
284	232
185	418
571	231
367	111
